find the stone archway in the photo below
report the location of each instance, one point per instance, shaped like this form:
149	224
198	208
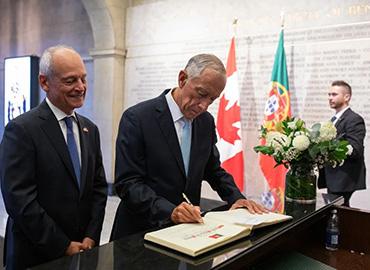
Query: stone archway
107	19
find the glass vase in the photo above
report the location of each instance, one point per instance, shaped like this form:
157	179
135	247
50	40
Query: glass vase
300	184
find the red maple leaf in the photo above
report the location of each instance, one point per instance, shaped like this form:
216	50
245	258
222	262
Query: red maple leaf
226	119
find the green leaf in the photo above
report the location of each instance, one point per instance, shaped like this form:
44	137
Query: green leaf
267	150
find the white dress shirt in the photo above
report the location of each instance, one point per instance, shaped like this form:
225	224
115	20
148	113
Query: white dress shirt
60	115
177	116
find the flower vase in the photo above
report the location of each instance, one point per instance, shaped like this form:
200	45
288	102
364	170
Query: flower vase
300	184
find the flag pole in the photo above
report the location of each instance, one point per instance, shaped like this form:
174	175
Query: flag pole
235	25
235	22
282	19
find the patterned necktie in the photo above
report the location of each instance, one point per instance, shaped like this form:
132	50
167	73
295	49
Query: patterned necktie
186	143
72	148
333	118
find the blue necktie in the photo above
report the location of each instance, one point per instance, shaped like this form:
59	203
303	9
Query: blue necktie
72	148
333	118
186	143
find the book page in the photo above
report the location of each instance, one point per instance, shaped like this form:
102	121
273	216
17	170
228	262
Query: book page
229	251
242	216
195	238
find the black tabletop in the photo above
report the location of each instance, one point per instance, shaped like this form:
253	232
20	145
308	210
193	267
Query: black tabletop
134	253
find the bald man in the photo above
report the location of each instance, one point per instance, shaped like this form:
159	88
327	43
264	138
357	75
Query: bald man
52	177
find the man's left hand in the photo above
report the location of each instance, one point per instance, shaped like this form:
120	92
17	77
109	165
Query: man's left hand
88	243
250	205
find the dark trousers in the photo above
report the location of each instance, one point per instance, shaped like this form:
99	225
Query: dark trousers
345	195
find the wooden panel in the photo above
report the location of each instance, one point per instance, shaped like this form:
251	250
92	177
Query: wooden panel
354	226
354	241
341	259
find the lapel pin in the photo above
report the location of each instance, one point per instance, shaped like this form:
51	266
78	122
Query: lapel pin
85	130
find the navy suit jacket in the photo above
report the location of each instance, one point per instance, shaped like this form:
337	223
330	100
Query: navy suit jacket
351	175
46	208
149	171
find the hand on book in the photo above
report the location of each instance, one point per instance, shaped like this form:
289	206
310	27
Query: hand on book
186	213
251	205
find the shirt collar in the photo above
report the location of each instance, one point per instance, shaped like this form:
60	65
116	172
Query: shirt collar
174	108
59	114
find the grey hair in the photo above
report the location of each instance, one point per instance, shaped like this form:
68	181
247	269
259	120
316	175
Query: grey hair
46	60
198	63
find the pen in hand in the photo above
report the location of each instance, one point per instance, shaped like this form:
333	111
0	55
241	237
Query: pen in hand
199	219
186	198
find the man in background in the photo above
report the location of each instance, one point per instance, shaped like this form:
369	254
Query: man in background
351	176
52	176
166	147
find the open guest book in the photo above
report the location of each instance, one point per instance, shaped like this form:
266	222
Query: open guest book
229	251
219	228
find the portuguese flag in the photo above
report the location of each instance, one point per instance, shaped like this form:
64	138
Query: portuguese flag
277	109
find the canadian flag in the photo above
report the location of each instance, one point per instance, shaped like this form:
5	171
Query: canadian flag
228	123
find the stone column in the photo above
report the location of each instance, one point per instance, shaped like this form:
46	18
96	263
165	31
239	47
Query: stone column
108	101
107	19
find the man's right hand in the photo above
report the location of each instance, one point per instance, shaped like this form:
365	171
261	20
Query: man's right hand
73	248
186	213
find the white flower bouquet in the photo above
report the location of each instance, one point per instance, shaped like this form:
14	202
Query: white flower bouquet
303	150
292	144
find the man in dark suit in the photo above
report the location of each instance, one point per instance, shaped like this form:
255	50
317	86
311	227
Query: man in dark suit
344	180
52	177
153	167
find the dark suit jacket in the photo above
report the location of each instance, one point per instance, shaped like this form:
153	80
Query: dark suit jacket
351	175
150	174
46	208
